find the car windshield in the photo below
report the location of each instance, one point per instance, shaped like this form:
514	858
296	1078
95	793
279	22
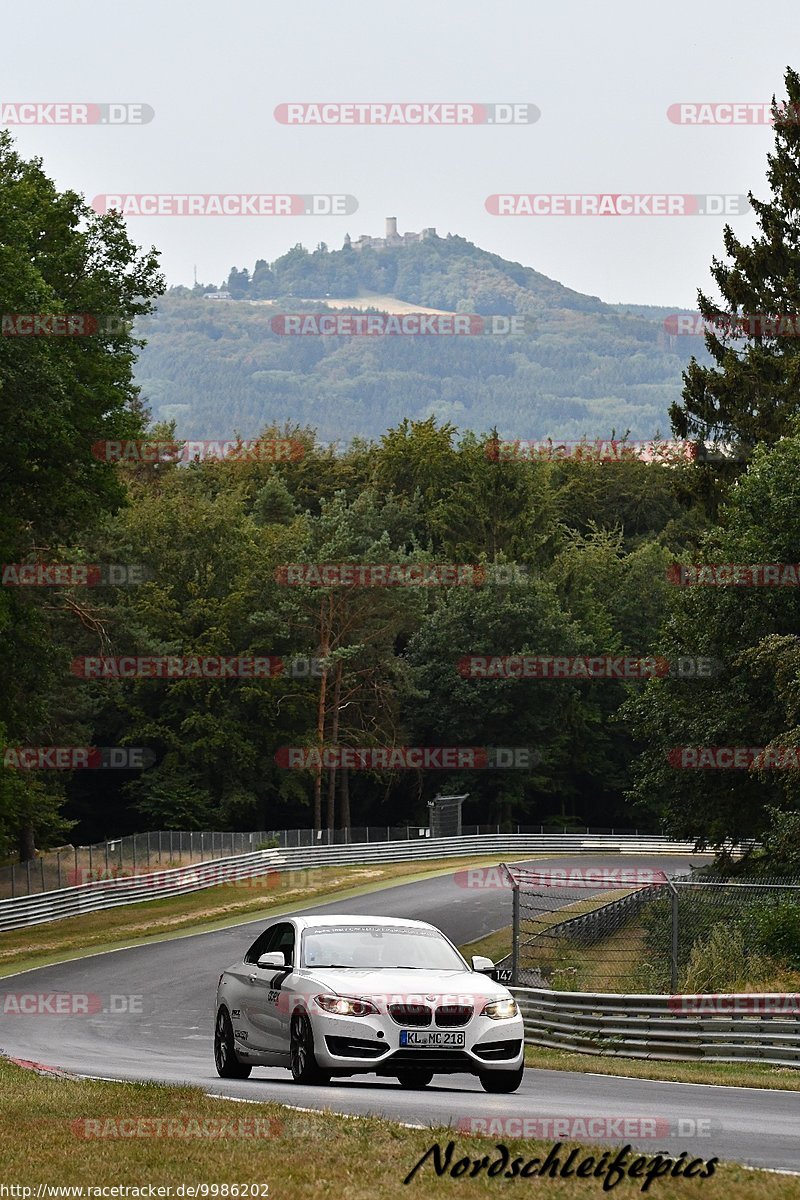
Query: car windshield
377	947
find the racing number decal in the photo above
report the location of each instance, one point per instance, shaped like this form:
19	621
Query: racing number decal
272	998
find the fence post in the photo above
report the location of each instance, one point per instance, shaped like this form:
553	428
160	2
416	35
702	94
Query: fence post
58	868
514	931
41	860
108	873
673	973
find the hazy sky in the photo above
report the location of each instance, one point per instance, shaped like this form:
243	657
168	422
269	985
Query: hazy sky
603	77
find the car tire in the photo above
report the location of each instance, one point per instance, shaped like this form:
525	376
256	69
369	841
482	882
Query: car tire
303	1062
501	1081
414	1079
227	1064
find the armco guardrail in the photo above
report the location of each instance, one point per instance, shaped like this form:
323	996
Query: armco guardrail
720	1028
109	893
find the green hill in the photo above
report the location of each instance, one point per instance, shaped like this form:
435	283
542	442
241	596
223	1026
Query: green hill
582	367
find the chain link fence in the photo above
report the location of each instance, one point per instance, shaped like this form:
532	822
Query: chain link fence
640	931
137	853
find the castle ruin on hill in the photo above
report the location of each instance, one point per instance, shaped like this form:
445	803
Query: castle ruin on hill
392	238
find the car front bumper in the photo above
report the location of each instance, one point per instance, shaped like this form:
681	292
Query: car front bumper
356	1044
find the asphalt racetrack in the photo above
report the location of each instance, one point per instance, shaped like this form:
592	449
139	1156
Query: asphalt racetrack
156	1022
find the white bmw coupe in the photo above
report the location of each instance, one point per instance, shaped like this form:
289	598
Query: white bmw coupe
342	995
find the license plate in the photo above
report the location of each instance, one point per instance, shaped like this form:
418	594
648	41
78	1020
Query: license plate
432	1039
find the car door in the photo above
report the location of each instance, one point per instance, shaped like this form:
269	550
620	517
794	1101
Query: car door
263	987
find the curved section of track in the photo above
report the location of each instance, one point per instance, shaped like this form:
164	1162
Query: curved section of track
151	1017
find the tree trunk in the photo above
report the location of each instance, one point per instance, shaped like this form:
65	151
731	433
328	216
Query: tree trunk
344	799
26	843
324	645
337	695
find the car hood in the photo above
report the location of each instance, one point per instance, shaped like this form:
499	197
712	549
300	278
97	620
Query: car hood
398	986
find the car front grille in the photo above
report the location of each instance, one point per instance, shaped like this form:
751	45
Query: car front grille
410	1014
448	1015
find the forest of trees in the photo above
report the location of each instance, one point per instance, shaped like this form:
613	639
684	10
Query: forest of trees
578	559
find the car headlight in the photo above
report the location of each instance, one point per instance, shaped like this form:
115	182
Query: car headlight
500	1010
346	1006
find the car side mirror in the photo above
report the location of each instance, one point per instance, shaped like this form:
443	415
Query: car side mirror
273	959
482	964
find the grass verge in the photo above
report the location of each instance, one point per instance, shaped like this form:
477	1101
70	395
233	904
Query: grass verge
735	1074
63	1132
213	908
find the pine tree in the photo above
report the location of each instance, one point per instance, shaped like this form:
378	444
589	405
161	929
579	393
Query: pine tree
753	389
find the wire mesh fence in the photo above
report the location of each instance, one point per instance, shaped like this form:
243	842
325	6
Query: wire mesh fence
639	930
138	853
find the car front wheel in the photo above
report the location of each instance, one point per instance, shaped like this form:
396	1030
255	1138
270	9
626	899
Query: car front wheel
305	1068
228	1065
414	1079
501	1081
